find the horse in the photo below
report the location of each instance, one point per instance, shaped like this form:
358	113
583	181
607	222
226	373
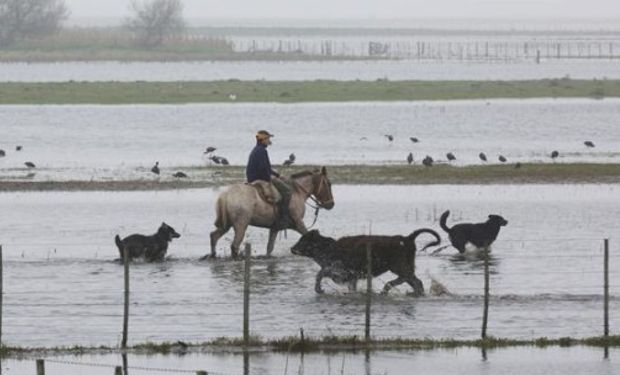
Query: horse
241	206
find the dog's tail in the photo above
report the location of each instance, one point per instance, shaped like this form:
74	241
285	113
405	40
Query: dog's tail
221	216
443	219
119	243
412	237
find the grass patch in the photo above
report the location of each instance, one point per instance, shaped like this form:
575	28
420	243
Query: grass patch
295	92
321	344
201	177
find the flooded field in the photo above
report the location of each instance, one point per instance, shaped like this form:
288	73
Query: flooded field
550	361
63	286
312	70
123	142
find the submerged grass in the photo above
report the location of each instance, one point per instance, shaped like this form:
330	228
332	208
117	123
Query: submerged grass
295	92
200	177
321	344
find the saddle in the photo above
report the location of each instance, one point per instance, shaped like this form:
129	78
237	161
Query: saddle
266	191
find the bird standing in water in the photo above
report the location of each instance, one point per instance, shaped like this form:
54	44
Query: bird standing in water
155	168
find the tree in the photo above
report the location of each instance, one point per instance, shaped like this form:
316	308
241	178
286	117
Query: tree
21	19
154	21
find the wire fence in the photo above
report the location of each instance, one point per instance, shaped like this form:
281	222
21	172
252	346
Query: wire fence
571	302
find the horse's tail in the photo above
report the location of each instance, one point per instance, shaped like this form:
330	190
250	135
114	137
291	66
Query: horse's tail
412	237
221	216
443	219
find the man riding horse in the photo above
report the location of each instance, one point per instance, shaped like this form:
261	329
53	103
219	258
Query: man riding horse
259	169
254	203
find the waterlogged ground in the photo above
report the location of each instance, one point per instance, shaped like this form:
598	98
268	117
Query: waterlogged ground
430	70
122	142
462	361
63	286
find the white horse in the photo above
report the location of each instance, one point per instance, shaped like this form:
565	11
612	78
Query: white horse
241	205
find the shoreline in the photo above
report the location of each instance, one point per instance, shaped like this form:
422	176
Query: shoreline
443	174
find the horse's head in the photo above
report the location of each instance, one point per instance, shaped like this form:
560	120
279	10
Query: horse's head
323	189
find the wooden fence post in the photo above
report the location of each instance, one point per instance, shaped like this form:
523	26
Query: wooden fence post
126	308
118	370
485	313
201	373
1	293
606	289
40	367
368	289
246	296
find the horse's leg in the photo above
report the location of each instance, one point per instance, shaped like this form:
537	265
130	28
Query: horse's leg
215	236
240	229
300	226
273	233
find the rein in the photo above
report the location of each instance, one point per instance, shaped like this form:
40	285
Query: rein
318	204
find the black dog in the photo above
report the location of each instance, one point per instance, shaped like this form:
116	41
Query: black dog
152	248
481	235
345	260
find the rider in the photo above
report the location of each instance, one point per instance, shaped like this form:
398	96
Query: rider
259	168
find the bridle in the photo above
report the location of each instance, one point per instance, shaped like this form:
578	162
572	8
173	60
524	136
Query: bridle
311	194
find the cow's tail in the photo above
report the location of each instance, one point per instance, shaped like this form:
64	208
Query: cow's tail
119	243
443	219
412	237
221	216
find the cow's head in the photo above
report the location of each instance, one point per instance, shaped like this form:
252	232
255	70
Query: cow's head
311	243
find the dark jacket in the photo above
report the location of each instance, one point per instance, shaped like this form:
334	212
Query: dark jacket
259	166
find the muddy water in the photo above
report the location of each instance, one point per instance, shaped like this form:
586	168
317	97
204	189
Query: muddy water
120	142
550	361
63	286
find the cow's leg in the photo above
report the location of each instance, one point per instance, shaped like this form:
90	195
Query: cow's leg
317	284
416	284
390	284
215	236
240	229
273	233
353	285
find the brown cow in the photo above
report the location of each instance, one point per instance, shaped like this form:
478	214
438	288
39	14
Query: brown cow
344	260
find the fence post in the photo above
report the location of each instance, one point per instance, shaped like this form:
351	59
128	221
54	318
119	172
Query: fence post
485	313
201	373
40	367
368	288
606	291
118	370
126	308
246	296
1	293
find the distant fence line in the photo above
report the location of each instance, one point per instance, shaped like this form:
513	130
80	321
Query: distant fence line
435	50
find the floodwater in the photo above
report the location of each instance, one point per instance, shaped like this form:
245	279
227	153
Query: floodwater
62	285
119	142
303	70
462	361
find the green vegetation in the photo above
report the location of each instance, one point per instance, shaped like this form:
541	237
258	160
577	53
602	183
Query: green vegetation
199	177
322	344
293	92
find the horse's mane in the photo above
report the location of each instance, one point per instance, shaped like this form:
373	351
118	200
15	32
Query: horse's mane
302	174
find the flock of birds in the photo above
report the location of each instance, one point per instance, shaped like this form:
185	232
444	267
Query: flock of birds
18	148
428	161
220	160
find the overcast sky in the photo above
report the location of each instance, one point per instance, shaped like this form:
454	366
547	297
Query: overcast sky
318	9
